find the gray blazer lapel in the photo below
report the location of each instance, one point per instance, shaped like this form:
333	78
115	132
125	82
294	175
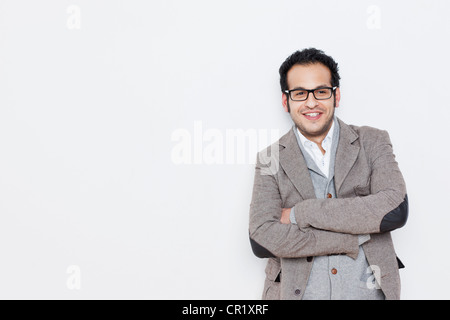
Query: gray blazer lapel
293	163
346	154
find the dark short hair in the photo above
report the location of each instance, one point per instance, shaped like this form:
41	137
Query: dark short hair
305	57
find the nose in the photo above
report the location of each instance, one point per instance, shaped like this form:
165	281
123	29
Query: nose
311	102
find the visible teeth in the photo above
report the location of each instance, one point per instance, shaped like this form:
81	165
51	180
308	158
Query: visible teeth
312	114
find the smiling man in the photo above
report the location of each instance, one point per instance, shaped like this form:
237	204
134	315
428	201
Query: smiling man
323	215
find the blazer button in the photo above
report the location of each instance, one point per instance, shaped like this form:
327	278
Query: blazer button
329	196
309	259
333	271
297	291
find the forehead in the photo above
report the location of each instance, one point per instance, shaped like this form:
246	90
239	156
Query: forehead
308	76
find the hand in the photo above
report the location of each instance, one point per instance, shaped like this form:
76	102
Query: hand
285	216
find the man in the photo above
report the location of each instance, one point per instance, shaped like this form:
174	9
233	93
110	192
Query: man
326	196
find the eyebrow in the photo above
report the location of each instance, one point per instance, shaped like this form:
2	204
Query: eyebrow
318	87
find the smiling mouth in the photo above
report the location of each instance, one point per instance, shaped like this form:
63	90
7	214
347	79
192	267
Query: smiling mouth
312	115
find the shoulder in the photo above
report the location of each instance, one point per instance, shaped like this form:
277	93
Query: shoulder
269	157
367	131
281	143
370	135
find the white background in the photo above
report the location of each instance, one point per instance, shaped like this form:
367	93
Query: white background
92	91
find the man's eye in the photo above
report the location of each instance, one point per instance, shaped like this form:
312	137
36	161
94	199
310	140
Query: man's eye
300	93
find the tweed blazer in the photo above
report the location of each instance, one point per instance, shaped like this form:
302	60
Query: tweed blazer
371	199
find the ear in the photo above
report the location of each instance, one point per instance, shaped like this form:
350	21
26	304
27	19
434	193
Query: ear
284	101
337	96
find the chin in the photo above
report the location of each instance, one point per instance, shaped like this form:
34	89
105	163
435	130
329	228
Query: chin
312	129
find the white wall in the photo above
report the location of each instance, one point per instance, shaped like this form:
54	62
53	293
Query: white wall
98	96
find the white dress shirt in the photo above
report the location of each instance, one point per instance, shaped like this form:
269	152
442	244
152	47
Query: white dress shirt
321	160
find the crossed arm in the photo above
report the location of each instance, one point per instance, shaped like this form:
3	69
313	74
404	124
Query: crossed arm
328	226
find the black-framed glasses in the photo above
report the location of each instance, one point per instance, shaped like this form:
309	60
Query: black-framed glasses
323	93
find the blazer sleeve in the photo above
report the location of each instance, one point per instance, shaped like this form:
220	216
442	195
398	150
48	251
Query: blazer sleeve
385	209
270	238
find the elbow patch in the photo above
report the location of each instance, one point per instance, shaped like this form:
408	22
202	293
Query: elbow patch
396	218
259	250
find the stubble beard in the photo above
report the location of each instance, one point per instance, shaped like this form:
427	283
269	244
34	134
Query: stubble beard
321	131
